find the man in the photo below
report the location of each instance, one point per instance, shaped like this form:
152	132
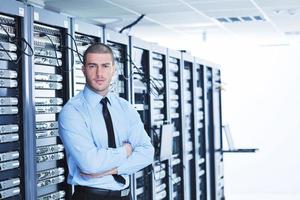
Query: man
103	135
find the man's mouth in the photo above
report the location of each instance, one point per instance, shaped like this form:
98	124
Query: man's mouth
99	81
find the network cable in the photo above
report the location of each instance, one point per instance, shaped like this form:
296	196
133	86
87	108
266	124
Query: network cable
144	79
76	47
54	46
15	41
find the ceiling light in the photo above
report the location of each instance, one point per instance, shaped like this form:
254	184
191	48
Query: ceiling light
37	2
289	11
104	20
292	11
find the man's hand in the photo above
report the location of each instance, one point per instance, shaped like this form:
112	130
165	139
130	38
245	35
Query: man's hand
99	175
128	148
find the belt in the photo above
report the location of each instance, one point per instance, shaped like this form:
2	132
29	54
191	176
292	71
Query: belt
103	192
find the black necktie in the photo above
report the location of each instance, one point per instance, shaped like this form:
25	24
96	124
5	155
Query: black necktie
110	133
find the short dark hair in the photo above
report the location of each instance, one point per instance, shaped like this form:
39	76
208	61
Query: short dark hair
98	48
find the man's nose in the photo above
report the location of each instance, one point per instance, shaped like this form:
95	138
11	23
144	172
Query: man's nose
99	70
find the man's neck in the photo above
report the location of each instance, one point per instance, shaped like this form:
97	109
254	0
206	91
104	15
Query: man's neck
102	93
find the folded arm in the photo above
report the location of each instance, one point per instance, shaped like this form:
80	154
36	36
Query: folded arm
142	150
79	144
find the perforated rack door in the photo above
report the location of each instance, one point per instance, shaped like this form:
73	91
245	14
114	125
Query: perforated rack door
211	154
142	180
200	139
188	129
11	129
217	127
175	116
50	95
158	100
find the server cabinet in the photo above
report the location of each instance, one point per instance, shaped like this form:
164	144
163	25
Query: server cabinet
187	94
199	131
158	110
50	72
175	114
164	86
120	46
11	101
141	186
83	35
213	134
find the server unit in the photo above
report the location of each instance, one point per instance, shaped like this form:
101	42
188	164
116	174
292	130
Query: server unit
50	91
83	35
120	46
140	57
199	131
175	113
187	94
11	101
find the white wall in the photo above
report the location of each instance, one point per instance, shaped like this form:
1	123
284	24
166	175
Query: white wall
261	103
262	106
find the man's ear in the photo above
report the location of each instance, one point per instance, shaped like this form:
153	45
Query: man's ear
83	69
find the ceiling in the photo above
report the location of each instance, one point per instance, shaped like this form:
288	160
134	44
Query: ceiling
269	22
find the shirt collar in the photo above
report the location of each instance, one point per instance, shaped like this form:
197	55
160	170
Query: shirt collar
94	98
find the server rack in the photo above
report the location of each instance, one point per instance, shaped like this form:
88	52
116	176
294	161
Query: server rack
175	114
141	186
187	94
199	130
50	87
83	35
11	100
120	46
158	110
213	133
30	92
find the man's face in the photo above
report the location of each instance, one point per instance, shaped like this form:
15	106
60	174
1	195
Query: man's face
98	71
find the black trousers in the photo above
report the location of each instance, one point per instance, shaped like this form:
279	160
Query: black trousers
83	195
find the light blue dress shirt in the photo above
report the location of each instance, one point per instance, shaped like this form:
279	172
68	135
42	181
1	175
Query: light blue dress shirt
83	132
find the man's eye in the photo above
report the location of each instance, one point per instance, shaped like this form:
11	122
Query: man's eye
92	66
106	66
